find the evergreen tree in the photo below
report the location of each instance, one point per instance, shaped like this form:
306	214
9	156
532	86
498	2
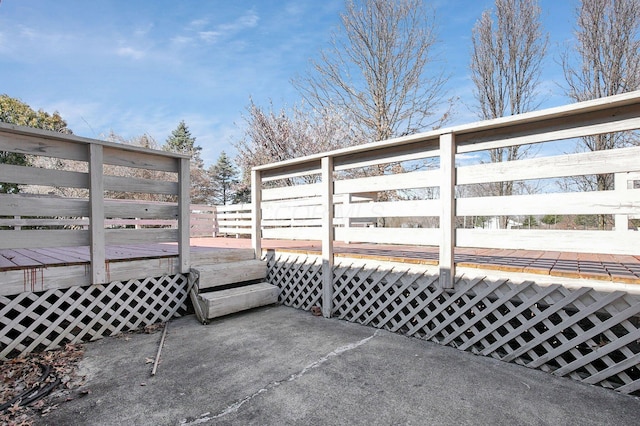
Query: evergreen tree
224	177
182	142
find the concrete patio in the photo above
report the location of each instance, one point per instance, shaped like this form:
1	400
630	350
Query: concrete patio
278	365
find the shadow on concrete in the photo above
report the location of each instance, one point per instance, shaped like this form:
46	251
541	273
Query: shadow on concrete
278	365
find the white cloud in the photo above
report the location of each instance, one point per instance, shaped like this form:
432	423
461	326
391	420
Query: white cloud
143	30
198	24
130	52
209	36
181	40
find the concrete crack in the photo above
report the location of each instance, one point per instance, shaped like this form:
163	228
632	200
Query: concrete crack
236	405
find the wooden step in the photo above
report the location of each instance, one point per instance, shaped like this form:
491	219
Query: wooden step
218	274
225	302
222	255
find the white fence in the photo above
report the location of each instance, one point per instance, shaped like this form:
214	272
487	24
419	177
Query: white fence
282	192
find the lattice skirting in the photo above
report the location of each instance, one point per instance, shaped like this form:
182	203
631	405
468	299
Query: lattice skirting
587	335
46	320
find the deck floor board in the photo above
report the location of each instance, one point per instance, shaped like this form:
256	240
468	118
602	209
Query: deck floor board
623	268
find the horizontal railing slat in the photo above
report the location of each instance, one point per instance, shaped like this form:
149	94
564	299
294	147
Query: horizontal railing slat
420	179
43	238
579	241
297	191
138	236
408	236
147	186
576	203
24	205
46	177
585	163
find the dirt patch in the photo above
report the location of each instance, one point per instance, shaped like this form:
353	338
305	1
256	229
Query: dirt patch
33	385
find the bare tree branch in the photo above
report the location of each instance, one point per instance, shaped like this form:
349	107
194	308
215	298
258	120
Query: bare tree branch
376	70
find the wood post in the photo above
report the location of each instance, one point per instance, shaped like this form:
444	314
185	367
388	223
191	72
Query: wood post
184	213
96	214
256	213
327	236
447	213
346	212
620	185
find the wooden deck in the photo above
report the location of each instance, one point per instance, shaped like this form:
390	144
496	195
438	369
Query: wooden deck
44	268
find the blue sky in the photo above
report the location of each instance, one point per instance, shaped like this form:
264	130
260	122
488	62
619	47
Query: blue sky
139	67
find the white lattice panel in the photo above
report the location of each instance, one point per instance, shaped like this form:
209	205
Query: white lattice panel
46	320
299	278
580	333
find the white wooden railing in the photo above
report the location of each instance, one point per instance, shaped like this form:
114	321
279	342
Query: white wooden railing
450	153
56	221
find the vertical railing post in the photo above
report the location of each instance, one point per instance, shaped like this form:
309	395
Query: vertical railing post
327	236
184	213
96	214
447	212
256	213
216	228
620	186
346	212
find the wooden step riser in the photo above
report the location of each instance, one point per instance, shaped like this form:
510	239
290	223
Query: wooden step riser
205	258
225	302
220	274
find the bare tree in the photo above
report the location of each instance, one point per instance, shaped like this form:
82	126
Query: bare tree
506	61
271	136
375	71
507	57
604	61
606	56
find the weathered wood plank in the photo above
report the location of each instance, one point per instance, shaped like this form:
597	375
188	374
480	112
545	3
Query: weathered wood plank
43	222
220	274
239	230
410	236
447	177
140	209
421	179
184	197
34	144
19	259
118	156
555	128
43	258
136	236
551	239
328	235
39	176
597	202
146	186
25	205
296	191
256	213
407	208
66	255
299	233
224	302
584	163
43	238
96	215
